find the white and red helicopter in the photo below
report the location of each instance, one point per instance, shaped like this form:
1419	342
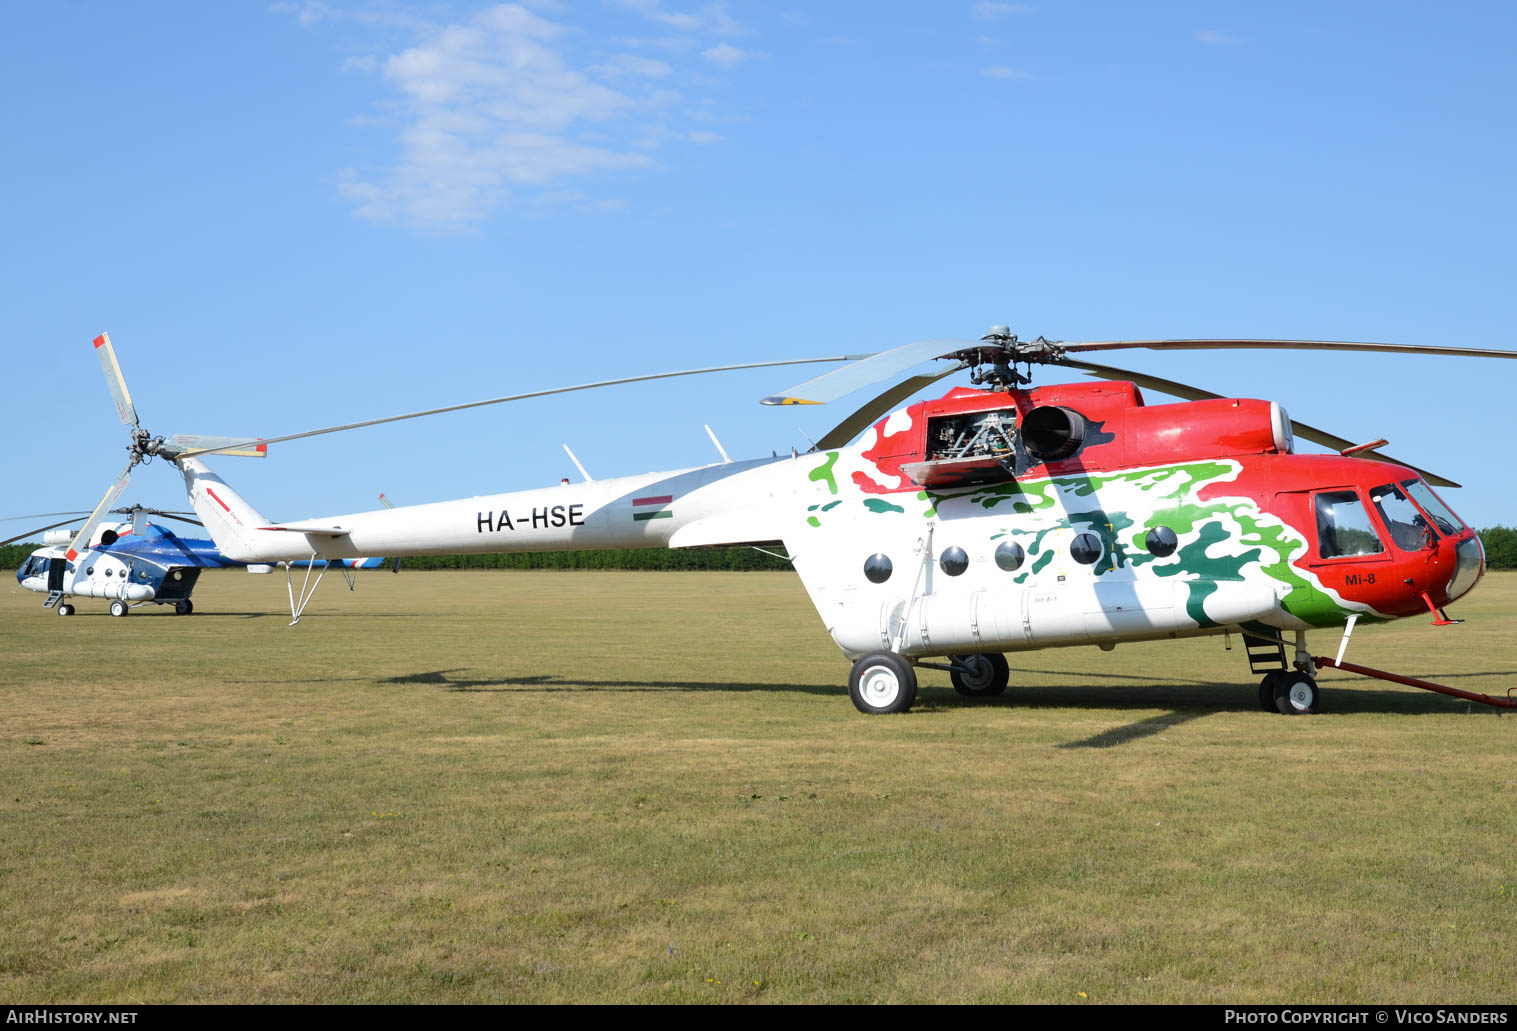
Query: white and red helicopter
998	518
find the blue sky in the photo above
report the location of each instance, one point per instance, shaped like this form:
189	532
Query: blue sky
298	214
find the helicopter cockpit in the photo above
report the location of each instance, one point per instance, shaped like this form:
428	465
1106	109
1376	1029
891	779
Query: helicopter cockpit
46	567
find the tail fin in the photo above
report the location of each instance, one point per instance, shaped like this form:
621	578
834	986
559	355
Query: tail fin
232	522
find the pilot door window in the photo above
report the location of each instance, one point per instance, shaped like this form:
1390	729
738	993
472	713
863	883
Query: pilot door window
1409	530
1344	529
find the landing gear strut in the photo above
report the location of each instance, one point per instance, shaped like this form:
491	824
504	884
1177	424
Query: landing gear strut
882	682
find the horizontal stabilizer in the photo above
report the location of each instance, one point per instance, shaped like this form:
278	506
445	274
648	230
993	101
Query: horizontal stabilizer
316	528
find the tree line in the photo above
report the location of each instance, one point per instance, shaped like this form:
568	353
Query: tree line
1500	553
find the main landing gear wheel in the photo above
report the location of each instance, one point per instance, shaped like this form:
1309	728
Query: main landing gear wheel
983	676
184	608
882	682
1296	694
65	610
118	608
1267	690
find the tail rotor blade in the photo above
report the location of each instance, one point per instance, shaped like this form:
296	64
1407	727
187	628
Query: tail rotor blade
82	538
113	378
241	446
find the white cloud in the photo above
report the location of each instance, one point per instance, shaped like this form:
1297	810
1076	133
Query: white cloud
729	56
631	65
988	11
1003	72
1214	38
712	18
308	13
492	110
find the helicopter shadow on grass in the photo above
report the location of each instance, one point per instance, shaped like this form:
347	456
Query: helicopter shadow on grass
552	682
1186	699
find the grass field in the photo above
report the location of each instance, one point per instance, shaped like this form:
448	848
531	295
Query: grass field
649	787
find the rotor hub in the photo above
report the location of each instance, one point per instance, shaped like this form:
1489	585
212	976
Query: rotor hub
993	361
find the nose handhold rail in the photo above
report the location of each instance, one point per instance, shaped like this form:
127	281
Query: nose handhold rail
1348	667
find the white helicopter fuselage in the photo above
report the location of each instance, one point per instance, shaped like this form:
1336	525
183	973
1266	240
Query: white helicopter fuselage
725	503
812	505
93	574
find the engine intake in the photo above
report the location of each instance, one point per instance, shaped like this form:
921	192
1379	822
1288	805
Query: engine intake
1052	432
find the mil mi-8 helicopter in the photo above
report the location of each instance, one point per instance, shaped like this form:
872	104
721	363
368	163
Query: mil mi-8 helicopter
998	518
137	562
133	563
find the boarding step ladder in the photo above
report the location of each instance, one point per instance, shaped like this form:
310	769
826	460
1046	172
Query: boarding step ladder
1266	650
53	598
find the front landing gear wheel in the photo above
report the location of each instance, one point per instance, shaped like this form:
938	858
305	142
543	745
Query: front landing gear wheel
184	608
118	608
65	610
1296	694
882	682
1267	690
983	676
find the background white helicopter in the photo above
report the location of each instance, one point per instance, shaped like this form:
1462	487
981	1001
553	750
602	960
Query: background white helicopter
991	520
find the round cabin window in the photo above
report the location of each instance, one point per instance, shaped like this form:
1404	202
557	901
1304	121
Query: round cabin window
877	568
1010	556
953	561
1161	541
1085	548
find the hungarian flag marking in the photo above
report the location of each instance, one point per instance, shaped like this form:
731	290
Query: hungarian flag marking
651	512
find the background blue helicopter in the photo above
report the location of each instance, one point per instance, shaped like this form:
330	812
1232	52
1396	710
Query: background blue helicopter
138	562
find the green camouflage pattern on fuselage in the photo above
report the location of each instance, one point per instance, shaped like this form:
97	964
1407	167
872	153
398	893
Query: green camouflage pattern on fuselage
1220	539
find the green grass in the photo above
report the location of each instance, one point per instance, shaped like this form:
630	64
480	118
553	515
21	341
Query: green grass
562	787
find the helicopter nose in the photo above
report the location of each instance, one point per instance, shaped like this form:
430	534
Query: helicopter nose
1469	566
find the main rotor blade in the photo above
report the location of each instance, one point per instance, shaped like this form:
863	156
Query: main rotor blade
1143	379
262	442
182	519
1304	345
1301	429
41	515
37	529
852	426
866	371
82	538
113	378
144	508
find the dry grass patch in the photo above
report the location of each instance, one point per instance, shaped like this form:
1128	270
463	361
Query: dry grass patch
514	786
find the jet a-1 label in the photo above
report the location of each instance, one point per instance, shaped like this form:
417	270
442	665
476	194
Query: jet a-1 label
544	518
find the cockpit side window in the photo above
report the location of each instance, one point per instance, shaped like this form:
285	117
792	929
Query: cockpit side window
1408	526
1344	529
1437	511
